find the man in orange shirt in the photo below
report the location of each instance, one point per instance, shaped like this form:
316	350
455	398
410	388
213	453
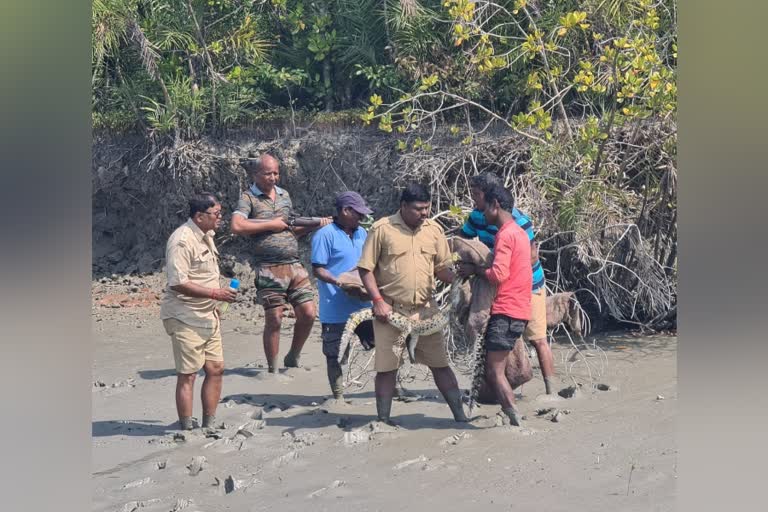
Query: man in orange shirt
512	274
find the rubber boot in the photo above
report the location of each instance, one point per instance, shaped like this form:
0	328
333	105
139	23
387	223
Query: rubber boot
384	409
335	379
453	397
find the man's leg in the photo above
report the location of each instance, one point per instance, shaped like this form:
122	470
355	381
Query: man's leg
446	382
431	351
546	362
536	334
496	363
305	318
273	318
188	344
185	386
331	336
272	284
385	390
386	362
211	391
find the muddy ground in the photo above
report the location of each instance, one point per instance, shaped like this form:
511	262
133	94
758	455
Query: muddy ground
612	447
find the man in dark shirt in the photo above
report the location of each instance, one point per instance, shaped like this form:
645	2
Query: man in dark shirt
280	278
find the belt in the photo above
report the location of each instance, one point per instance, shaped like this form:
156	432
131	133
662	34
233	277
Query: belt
405	307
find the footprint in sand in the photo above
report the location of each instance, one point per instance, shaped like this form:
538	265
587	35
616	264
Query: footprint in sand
273	377
335	405
455	439
547	399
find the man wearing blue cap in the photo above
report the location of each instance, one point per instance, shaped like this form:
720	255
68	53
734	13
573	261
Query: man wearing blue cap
336	248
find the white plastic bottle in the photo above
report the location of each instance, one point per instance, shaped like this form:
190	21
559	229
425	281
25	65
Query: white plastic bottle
234	284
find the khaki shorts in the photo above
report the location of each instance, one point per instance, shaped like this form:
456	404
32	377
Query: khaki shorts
193	346
537	325
278	285
430	350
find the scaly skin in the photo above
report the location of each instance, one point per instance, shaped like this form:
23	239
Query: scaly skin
406	326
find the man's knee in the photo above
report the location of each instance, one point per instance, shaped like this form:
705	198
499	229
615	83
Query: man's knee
186	378
214	368
273	317
305	312
539	343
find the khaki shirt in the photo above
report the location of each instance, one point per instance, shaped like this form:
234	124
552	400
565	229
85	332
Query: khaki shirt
404	261
190	257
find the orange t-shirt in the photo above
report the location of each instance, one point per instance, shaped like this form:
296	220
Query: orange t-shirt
511	272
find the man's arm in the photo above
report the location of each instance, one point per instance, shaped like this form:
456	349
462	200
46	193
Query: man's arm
368	259
443	260
178	258
195	290
446	275
241	225
502	258
534	252
381	309
324	274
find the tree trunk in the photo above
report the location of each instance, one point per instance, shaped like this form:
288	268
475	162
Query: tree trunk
327	85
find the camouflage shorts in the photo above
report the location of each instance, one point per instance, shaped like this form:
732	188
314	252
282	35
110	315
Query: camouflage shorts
278	285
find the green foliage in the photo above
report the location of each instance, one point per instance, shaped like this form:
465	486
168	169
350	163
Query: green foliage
463	63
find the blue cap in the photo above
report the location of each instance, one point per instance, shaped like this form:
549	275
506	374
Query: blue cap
353	200
234	284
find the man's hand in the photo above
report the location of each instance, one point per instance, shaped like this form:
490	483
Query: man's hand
223	294
381	310
446	275
324	221
277	225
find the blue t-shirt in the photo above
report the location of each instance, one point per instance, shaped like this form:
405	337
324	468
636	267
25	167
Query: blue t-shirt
476	226
335	250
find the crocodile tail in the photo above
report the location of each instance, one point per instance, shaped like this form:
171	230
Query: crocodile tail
478	369
349	330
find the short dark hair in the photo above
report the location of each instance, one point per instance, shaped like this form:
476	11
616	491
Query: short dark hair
415	192
500	194
201	202
484	181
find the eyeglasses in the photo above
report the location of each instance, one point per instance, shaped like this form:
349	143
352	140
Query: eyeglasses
215	214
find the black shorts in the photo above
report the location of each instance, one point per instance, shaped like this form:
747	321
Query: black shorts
503	332
331	336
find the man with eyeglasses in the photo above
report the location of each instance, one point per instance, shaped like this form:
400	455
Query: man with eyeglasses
188	309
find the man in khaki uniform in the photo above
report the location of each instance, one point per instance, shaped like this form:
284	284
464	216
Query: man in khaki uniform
401	258
189	311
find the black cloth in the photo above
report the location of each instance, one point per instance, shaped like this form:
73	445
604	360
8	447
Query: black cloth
503	332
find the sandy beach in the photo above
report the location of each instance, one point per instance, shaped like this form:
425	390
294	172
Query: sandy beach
611	446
